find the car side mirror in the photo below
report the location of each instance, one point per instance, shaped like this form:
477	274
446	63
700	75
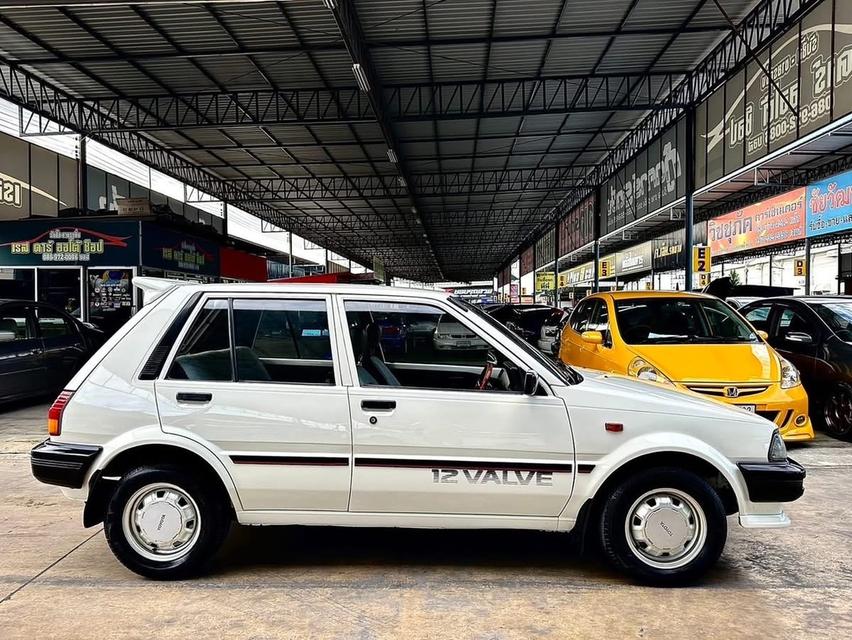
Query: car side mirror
592	337
799	336
530	383
763	334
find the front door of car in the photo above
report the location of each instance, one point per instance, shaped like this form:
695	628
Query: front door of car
440	425
574	350
257	380
22	370
796	337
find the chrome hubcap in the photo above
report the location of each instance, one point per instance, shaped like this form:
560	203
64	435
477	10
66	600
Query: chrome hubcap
666	528
161	522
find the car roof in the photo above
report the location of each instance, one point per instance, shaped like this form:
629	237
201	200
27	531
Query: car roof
280	287
634	295
806	299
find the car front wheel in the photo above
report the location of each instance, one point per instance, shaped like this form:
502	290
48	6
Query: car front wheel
837	411
664	526
163	523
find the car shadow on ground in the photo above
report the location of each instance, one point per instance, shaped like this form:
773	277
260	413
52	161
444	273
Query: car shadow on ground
501	554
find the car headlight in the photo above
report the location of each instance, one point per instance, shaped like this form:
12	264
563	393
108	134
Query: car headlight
789	374
777	448
643	370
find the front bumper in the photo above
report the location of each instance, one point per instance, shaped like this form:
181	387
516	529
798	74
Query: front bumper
773	481
65	465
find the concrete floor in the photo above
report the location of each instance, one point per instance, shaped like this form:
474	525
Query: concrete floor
58	580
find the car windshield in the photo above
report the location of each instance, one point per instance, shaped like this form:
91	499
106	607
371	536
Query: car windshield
680	321
556	367
838	316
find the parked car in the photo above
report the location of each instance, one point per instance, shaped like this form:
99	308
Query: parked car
177	426
41	347
688	341
551	329
815	334
450	336
526	320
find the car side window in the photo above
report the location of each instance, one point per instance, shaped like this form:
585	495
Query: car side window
580	318
52	324
13	323
600	322
205	353
419	345
791	321
279	340
759	317
273	340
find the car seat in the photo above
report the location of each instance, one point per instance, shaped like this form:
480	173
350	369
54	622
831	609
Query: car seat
371	364
216	365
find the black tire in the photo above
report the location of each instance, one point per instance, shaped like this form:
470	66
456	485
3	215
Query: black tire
618	544
836	411
213	522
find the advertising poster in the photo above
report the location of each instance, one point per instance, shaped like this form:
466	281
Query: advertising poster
67	242
829	205
514	294
773	221
545	281
634	260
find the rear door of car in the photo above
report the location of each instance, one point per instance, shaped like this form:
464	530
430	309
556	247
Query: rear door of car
257	379
22	370
426	440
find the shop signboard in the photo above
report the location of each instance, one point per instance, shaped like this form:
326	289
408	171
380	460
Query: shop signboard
773	221
606	267
583	273
750	116
701	259
800	267
577	228
668	248
545	249
636	259
527	261
69	242
545	281
174	251
514	295
654	179
829	205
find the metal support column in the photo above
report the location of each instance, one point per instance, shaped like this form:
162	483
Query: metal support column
807	266
290	255
770	269
82	184
689	214
225	219
597	234
596	282
839	268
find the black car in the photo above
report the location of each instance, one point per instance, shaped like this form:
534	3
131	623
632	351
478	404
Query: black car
525	319
815	334
41	348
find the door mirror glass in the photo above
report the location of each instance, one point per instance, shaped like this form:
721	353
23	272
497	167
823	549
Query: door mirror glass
530	383
592	337
763	334
799	336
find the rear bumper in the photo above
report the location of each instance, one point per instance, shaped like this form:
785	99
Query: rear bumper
773	481
65	465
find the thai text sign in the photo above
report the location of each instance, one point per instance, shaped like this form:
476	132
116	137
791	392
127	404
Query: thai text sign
773	221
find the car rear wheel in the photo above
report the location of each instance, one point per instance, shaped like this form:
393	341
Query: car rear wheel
164	524
837	412
663	526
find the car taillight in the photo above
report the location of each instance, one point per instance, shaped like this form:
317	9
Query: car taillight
54	414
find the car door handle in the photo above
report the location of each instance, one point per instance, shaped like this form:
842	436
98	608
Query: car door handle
199	398
378	405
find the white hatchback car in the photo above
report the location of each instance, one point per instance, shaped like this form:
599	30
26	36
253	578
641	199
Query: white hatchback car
277	404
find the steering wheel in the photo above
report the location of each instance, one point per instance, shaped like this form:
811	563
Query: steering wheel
487	371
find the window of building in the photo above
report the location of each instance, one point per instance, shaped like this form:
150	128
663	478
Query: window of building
419	345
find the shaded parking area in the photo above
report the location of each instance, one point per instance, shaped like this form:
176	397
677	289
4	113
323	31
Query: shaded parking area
385	583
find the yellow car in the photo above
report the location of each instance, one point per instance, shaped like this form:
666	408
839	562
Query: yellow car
693	342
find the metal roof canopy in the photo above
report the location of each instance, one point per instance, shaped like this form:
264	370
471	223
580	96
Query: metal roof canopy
471	126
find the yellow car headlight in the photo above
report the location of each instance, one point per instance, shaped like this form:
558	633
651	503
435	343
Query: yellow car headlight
789	374
642	369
